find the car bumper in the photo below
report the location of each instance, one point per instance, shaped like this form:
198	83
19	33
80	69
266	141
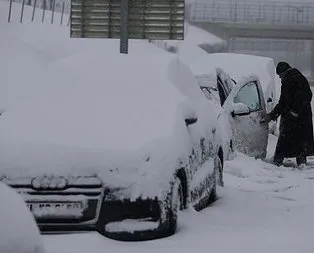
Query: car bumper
86	205
123	220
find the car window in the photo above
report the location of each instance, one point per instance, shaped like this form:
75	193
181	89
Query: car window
249	96
211	93
208	85
206	92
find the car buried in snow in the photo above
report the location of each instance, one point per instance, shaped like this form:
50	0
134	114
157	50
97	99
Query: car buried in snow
114	144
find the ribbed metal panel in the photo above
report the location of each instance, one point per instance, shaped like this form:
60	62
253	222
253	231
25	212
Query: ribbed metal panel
148	19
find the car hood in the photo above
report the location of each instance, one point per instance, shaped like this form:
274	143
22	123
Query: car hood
27	160
145	172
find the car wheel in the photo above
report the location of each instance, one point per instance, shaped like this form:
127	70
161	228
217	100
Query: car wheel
176	204
218	181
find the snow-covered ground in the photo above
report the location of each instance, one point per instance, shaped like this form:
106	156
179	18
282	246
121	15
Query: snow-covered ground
262	208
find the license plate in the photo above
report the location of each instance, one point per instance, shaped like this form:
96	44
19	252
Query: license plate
48	209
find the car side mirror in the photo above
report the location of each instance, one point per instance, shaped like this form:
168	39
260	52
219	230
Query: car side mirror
240	109
190	121
269	100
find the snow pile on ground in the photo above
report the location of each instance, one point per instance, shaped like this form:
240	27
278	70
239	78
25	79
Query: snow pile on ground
18	230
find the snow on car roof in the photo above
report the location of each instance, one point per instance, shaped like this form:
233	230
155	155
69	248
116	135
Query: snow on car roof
237	66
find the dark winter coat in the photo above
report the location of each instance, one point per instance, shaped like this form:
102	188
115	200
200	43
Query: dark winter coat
294	107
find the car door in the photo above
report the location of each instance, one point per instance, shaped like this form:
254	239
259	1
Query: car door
218	92
227	81
246	108
224	85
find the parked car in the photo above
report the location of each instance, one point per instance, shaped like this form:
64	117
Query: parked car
241	107
242	65
18	229
113	143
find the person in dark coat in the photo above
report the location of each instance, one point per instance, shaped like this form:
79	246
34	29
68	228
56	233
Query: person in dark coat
294	107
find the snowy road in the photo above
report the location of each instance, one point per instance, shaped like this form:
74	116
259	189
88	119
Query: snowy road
262	209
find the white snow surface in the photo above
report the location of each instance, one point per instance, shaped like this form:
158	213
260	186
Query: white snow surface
95	102
190	48
131	225
18	230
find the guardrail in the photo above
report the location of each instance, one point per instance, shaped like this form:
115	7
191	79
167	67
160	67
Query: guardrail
250	12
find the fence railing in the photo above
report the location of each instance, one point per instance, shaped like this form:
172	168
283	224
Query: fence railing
250	11
52	11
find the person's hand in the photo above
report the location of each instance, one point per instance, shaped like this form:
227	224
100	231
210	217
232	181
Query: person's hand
266	119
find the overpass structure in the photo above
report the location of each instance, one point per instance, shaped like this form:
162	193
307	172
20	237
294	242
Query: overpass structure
281	30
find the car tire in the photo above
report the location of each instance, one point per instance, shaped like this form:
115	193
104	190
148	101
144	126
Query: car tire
218	181
176	204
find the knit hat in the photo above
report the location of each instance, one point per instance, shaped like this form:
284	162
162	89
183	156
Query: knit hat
282	67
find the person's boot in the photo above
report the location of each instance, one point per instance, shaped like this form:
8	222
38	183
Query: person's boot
301	162
278	161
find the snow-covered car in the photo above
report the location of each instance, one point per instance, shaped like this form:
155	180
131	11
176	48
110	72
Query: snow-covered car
18	229
243	65
241	108
112	143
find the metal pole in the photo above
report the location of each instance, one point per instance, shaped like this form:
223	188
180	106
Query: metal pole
10	9
69	20
124	27
35	2
44	9
53	10
22	12
62	14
